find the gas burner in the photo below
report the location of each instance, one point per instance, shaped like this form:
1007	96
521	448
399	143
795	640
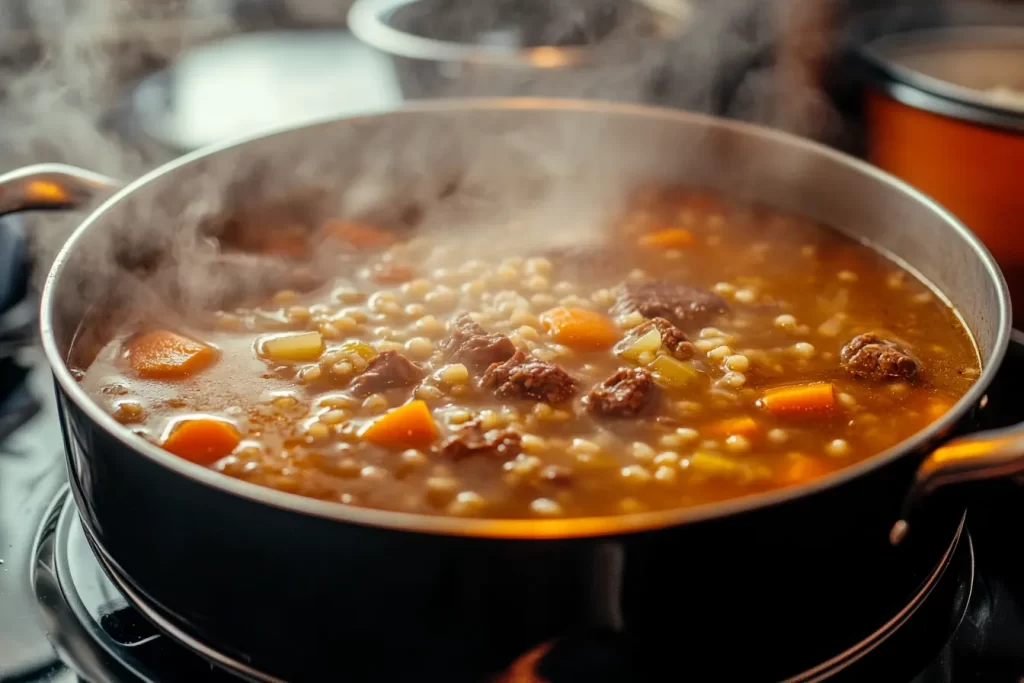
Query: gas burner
91	624
97	627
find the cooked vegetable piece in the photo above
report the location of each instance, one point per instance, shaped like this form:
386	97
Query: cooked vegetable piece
303	346
202	441
579	328
672	238
800	399
408	426
738	426
714	465
361	349
800	468
359	235
672	373
649	342
162	354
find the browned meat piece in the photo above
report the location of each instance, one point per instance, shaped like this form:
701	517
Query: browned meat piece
471	345
680	305
524	377
389	370
624	394
672	338
871	356
473	440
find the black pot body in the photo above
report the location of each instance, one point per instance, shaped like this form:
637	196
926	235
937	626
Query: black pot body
300	596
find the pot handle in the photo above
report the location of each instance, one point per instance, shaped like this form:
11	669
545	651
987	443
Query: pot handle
51	187
985	455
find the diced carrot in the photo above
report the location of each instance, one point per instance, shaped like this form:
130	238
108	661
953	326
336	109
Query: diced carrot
738	426
800	399
359	235
162	354
579	328
800	468
392	273
202	441
407	426
672	238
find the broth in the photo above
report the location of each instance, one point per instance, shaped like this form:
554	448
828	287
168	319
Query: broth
706	350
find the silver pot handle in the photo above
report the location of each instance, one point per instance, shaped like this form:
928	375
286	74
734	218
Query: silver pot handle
985	455
51	187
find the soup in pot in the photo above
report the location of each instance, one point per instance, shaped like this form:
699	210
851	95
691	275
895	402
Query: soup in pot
702	351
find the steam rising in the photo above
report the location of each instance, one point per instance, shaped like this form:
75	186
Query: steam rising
497	186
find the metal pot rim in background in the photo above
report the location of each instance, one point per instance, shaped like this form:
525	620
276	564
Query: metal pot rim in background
528	528
367	21
927	93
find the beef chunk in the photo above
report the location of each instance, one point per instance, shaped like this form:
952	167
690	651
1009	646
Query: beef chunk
872	357
389	370
624	394
471	345
672	338
525	377
473	440
680	305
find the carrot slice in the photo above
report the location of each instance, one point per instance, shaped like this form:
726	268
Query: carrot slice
202	441
672	238
162	354
359	235
800	468
739	426
407	426
800	399
579	328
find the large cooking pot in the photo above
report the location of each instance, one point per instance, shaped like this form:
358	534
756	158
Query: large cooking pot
283	587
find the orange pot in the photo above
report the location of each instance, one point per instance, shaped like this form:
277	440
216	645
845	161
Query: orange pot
933	120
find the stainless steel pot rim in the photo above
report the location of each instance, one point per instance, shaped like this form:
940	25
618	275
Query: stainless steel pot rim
365	20
920	91
579	527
